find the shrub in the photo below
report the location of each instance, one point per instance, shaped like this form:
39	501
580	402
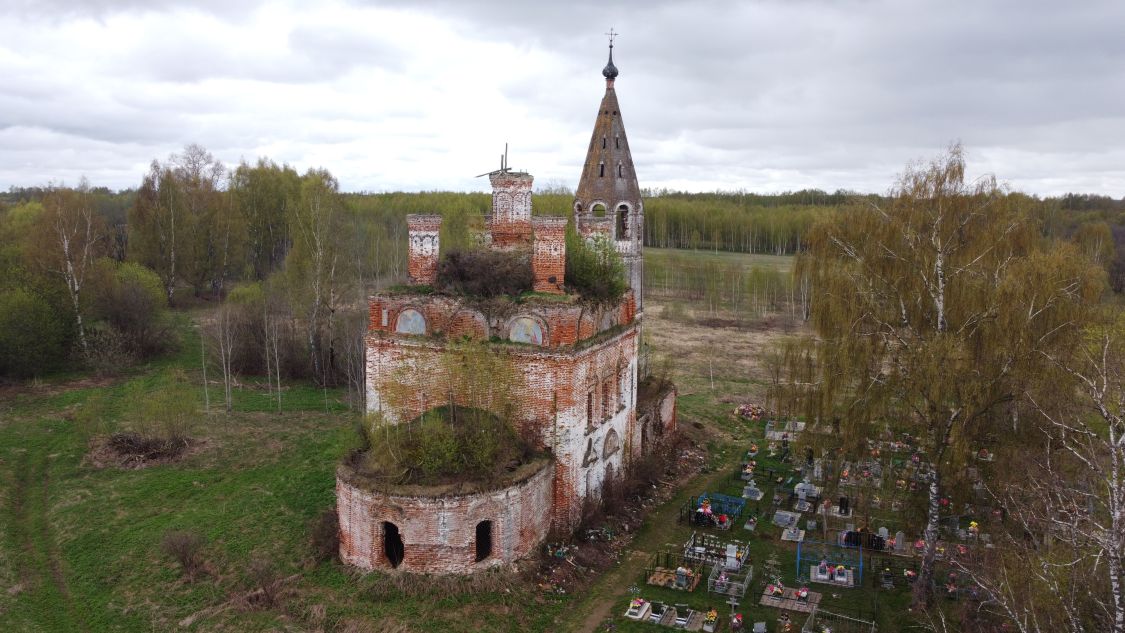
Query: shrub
109	350
594	268
444	445
32	336
159	423
131	299
265	582
185	548
485	272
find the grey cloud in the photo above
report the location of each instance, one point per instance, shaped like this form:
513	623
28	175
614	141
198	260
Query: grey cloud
757	95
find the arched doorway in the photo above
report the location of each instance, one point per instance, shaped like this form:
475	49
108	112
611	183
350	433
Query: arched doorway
484	540
393	548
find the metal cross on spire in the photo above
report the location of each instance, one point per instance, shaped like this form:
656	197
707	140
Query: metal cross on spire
611	35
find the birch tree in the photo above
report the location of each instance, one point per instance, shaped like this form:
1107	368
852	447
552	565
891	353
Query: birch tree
73	238
1059	564
319	266
925	321
157	223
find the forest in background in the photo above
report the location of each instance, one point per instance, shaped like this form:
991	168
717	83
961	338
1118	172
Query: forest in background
92	273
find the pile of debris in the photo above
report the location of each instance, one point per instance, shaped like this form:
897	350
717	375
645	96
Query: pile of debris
751	411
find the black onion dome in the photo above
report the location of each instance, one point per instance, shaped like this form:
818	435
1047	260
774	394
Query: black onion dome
610	71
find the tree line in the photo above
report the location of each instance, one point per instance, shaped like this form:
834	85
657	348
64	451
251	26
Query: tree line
307	254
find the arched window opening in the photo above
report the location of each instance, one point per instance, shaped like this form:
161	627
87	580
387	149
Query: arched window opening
410	322
622	222
603	142
601	170
590	409
526	330
607	399
392	544
616	141
484	540
620	170
612	444
599	210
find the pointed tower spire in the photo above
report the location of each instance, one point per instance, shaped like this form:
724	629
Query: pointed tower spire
608	200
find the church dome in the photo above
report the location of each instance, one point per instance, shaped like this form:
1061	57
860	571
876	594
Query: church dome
610	71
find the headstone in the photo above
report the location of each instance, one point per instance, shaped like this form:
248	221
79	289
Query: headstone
884	533
900	542
810	525
732	561
850	527
751	492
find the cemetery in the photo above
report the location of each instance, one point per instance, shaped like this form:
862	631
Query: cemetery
803	536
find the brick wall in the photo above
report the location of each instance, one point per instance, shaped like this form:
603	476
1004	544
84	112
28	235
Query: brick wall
565	324
421	263
570	400
548	255
439	531
510	222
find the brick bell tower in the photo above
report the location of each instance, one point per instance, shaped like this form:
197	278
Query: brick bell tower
608	201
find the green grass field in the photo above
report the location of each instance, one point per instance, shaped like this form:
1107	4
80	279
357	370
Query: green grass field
780	263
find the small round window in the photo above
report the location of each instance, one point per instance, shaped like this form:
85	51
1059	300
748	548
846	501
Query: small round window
410	322
526	330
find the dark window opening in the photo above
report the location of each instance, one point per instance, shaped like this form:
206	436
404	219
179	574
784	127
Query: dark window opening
617	142
603	142
622	391
392	543
622	222
484	540
620	170
590	408
601	170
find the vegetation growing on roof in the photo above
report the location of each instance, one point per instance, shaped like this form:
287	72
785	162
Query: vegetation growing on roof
594	269
484	272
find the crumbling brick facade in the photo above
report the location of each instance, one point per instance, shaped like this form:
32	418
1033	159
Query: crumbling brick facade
422	259
575	362
442	533
510	221
548	257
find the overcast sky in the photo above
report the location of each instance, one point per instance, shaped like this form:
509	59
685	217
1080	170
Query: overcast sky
760	96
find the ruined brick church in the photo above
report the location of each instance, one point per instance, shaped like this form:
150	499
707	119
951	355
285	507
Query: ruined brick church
578	362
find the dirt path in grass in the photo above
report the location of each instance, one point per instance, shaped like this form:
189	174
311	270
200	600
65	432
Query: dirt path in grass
611	590
40	568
